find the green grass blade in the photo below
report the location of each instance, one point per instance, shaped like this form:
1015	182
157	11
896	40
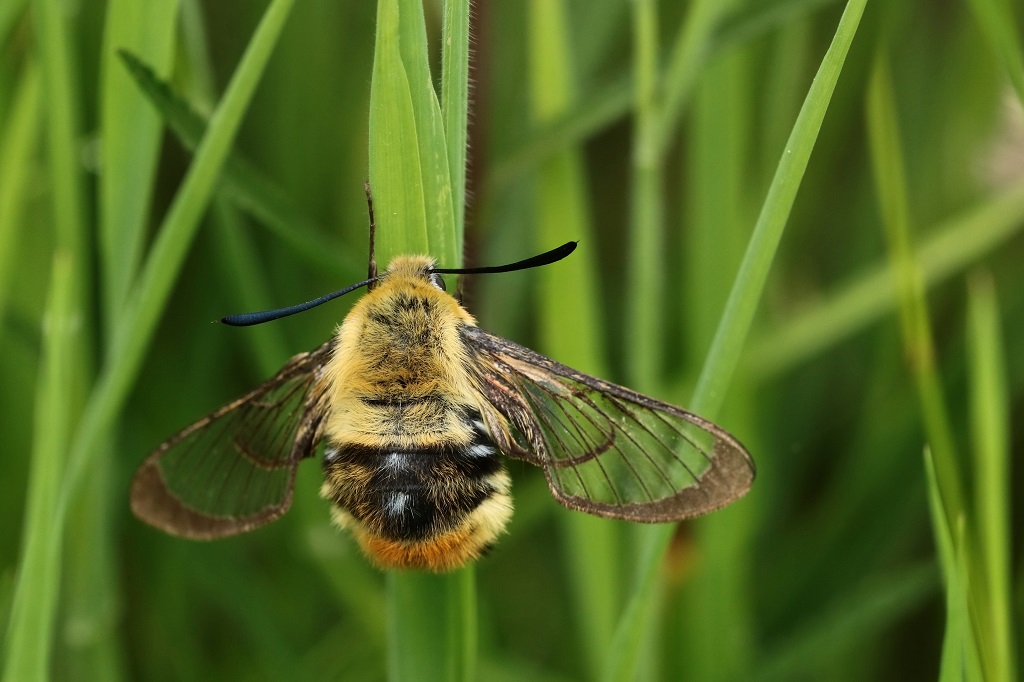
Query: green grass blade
131	135
594	112
442	241
18	142
847	626
750	21
10	12
142	311
890	185
688	54
137	325
431	618
717	620
29	634
569	327
432	626
395	170
455	103
242	262
247	186
646	323
999	26
739	313
990	430
959	659
62	113
738	316
948	249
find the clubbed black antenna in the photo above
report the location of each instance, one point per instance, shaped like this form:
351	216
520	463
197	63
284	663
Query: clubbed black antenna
546	258
249	319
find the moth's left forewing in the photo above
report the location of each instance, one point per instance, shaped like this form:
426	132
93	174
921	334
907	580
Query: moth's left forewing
234	470
605	449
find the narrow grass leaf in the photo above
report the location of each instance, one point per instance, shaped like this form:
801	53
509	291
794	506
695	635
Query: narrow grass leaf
736	320
646	322
735	324
999	25
396	177
130	139
455	104
137	325
245	184
948	249
689	52
430	135
410	178
890	183
592	113
848	625
752	20
63	117
990	431
569	326
30	631
10	13
717	633
951	663
19	141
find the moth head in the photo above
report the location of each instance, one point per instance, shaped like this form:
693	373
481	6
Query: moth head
416	269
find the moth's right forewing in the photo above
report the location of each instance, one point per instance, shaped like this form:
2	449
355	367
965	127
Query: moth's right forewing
606	449
234	470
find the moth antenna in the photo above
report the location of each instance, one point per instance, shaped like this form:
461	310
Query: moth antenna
249	319
546	258
372	270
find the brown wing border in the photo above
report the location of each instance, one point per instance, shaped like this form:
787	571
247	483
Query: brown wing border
153	502
729	476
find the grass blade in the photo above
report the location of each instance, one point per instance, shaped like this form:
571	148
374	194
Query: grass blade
412	184
948	249
689	52
395	169
990	429
646	323
29	634
247	186
999	26
130	139
455	103
17	144
593	545
849	625
919	347
739	312
136	327
430	135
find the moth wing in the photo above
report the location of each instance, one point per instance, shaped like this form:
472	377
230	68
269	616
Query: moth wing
605	449
234	470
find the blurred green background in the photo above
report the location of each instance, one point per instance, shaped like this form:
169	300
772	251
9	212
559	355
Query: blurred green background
651	132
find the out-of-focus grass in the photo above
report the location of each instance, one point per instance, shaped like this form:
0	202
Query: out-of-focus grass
651	132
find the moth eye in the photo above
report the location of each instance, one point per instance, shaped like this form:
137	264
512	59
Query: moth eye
438	281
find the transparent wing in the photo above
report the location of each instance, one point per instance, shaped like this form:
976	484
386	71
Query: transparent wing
234	469
605	449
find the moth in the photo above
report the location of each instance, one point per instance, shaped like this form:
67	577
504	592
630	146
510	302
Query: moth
417	407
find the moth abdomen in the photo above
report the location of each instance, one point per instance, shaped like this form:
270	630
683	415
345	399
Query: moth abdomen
427	507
